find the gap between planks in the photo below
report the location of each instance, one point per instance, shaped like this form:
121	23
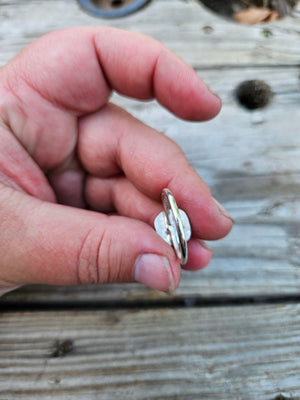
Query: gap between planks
150	304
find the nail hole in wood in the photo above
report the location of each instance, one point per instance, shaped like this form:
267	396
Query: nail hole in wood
253	94
63	348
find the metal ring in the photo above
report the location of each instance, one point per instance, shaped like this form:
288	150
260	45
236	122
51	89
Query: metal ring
173	217
90	7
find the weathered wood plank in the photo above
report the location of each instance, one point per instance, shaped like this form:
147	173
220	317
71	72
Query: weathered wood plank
251	163
182	25
215	353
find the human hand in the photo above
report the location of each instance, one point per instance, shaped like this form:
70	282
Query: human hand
69	159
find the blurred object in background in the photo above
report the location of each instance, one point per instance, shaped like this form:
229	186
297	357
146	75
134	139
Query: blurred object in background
252	11
111	8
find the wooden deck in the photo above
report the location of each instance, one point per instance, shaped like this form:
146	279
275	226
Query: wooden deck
230	331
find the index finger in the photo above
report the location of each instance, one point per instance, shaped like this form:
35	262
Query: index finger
77	68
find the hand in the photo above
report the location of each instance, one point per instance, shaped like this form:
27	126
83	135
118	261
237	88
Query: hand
80	179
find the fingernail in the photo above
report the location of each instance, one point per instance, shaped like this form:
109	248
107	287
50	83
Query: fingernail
223	210
155	272
214	93
206	247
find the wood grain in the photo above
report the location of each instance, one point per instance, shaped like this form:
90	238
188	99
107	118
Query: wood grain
182	25
251	161
212	353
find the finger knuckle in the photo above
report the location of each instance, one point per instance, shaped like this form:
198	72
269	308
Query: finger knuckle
91	264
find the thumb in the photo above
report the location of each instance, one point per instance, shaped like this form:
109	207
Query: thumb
42	242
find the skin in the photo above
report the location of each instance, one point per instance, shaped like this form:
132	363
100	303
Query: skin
81	179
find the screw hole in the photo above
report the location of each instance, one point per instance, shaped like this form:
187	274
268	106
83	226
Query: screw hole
254	94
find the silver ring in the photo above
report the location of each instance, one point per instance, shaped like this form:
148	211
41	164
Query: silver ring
173	226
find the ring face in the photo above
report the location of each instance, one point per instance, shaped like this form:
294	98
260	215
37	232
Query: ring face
173	226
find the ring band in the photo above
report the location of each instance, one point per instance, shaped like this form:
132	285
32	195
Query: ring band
173	226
